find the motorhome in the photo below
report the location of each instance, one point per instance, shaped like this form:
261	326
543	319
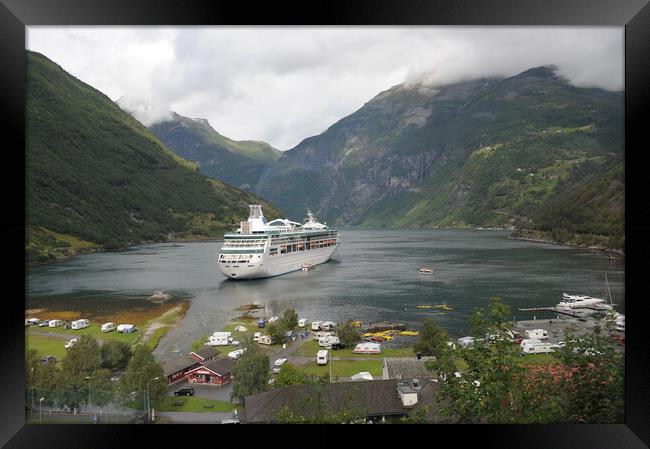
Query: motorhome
79	324
328	341
55	323
327	325
315	325
265	340
537	348
126	328
321	334
321	357
540	334
108	327
302	322
529	341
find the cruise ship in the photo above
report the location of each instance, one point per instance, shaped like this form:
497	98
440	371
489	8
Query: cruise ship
261	249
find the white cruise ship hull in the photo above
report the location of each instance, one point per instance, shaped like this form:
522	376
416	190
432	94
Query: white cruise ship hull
268	266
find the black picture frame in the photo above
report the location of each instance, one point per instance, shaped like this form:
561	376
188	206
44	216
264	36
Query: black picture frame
634	15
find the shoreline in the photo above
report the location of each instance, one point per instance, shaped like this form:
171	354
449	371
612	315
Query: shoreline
611	251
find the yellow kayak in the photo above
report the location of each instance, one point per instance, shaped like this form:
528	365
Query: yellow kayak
356	323
409	333
443	307
386	337
424	307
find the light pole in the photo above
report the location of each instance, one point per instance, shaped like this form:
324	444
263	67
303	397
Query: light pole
330	366
88	377
33	390
40	410
148	399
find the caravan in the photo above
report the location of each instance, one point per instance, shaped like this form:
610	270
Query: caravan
219	339
108	327
321	357
265	340
79	324
315	325
302	322
55	323
537	348
329	341
126	328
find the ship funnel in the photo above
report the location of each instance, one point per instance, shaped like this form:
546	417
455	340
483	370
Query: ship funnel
255	211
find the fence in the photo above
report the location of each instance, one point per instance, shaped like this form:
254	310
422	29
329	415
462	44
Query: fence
98	407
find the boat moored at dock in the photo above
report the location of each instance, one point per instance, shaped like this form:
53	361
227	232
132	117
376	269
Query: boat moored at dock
261	249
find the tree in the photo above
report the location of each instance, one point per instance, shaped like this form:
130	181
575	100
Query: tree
432	339
291	318
290	375
140	373
251	373
348	334
497	318
83	358
115	355
278	331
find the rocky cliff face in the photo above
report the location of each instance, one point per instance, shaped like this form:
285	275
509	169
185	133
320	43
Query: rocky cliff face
488	152
239	163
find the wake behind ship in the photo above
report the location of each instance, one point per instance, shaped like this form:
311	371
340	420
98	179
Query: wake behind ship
260	249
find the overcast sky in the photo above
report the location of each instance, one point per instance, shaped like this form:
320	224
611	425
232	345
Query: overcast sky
284	84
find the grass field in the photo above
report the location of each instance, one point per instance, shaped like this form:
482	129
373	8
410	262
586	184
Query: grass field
193	404
345	368
45	345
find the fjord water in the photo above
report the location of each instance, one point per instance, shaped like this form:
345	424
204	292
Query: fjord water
372	277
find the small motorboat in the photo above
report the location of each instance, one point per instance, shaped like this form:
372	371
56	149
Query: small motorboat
443	307
426	270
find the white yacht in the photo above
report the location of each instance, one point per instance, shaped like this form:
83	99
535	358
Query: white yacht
260	249
576	301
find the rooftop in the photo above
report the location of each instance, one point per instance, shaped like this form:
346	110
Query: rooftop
206	352
372	398
407	368
179	363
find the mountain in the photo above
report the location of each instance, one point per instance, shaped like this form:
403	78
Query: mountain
239	163
96	178
530	151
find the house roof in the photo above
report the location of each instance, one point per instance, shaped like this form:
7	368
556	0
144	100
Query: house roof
220	367
206	352
372	398
408	368
179	363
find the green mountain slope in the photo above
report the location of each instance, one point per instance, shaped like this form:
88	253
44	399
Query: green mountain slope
97	178
530	151
239	163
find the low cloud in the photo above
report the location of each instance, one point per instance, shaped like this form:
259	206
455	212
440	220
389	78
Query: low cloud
283	84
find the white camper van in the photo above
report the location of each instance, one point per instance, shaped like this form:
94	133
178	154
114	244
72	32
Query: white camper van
302	322
126	328
328	325
70	343
323	334
265	340
257	336
79	324
329	341
540	334
321	357
315	325
219	339
108	327
55	323
537	348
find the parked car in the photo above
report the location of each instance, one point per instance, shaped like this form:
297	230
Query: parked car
44	324
185	391
230	421
235	354
115	378
235	343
